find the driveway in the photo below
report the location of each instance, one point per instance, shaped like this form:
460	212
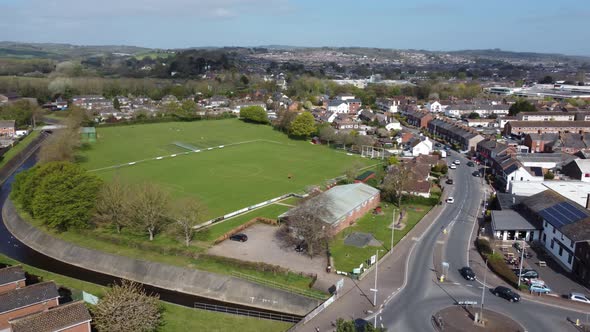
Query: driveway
264	245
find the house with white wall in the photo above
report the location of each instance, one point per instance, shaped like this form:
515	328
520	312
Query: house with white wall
434	107
421	147
338	106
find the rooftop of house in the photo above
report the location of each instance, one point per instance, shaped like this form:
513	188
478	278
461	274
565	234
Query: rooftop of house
508	201
11	274
7	123
27	296
550	124
55	319
546	137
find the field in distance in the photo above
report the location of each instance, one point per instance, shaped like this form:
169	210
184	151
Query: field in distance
254	163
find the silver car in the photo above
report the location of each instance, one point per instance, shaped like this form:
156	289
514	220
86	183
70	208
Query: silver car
579	297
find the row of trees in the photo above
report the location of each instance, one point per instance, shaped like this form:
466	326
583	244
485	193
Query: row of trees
147	208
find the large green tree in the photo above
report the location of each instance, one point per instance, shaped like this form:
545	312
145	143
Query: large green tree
60	194
254	114
303	125
521	106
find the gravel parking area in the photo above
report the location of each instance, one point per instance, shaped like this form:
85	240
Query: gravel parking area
264	245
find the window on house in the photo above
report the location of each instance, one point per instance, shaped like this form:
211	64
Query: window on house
553	229
572	243
560	251
544	237
552	243
545	224
569	258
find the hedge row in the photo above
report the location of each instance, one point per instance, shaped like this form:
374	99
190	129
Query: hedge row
165	119
496	262
244	226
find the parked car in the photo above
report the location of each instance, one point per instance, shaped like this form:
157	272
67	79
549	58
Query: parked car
579	297
452	166
476	174
470	164
457	162
506	293
538	288
450	200
467	273
533	281
437	145
517	246
240	237
527	274
449	181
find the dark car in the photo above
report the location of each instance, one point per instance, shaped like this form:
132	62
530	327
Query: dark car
470	164
437	145
476	174
301	247
449	181
467	273
506	293
241	237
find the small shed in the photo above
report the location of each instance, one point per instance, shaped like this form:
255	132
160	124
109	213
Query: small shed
366	176
88	134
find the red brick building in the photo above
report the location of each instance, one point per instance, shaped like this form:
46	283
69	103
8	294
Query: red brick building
419	119
28	300
71	317
11	278
346	204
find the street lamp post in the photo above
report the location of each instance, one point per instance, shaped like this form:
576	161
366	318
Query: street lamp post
483	292
376	272
392	229
521	260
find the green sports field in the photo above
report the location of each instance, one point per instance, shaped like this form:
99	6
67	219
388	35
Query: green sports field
256	163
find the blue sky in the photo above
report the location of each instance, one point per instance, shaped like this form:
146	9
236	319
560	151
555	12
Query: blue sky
519	25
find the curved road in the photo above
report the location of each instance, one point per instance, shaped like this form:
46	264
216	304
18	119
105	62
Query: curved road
412	308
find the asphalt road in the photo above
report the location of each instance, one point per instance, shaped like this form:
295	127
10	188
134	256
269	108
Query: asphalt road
413	307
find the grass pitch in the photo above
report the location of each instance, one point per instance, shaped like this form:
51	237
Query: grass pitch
265	164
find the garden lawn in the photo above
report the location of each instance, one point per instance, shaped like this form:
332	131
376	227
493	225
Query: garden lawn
347	258
175	317
18	148
266	165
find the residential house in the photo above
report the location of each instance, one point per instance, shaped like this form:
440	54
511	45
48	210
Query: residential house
418	119
11	278
465	137
421	147
537	142
7	128
578	169
92	102
566	230
571	143
528	127
237	107
71	317
366	115
338	106
354	105
57	105
217	101
393	125
388	105
546	116
434	107
345	122
480	122
27	300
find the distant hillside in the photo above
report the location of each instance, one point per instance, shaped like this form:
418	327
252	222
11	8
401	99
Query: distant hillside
501	54
61	51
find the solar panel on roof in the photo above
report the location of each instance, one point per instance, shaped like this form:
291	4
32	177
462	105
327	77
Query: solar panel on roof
563	210
580	214
550	218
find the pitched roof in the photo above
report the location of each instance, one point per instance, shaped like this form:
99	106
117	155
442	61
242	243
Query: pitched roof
11	274
55	319
343	200
27	296
7	123
549	124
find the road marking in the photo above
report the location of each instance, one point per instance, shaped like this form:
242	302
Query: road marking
456	283
440	242
469	285
416	239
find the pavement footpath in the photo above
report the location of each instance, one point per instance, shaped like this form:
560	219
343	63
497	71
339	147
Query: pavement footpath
356	299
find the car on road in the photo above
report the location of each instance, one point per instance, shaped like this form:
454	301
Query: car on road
450	200
467	273
449	181
437	145
240	237
506	293
470	164
476	174
540	288
452	166
447	147
457	162
579	297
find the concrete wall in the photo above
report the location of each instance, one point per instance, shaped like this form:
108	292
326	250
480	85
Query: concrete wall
190	281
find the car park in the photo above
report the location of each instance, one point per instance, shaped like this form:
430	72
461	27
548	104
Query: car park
467	273
240	237
450	200
538	288
449	181
579	297
506	293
